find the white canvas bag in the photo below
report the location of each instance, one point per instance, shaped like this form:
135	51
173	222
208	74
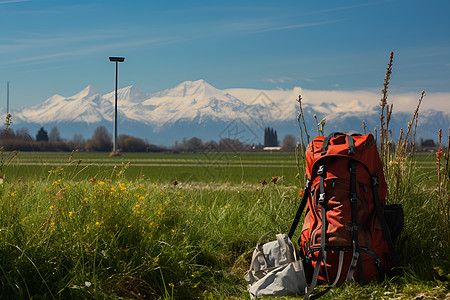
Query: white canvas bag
275	269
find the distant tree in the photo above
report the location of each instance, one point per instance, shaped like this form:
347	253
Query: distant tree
42	135
227	144
288	143
270	137
78	141
427	143
100	141
176	145
54	135
183	145
131	144
9	134
210	146
266	136
23	134
194	144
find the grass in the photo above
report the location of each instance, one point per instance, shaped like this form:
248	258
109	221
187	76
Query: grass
159	168
125	237
62	239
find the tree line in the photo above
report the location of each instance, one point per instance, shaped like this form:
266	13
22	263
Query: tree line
101	140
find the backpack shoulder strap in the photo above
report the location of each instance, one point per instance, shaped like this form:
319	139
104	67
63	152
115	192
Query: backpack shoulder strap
322	253
382	220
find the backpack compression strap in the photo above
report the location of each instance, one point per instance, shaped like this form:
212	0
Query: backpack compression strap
356	259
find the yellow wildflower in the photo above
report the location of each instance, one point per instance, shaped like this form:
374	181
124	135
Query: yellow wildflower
51	207
70	213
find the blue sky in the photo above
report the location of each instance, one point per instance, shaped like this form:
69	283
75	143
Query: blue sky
52	47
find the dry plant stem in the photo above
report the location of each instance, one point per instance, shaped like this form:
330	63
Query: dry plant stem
317	124
400	149
8	122
383	103
303	143
447	166
415	126
297	162
438	156
414	119
302	116
388	119
447	179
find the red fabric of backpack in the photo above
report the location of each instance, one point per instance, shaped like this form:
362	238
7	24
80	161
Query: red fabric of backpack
344	234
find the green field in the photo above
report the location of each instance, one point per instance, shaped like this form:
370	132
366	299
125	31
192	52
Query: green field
162	168
132	234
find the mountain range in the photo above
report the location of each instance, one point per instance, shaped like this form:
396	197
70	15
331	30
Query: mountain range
197	109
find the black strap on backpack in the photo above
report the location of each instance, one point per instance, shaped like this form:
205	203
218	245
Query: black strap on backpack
356	259
322	253
382	220
300	208
350	141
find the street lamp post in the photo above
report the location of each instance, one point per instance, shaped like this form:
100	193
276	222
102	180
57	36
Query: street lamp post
117	60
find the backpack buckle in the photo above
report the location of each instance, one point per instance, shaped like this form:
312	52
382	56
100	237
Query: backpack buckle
352	167
307	184
353	197
320	170
375	181
321	200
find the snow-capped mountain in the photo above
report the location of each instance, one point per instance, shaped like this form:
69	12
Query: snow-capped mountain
194	101
83	107
196	108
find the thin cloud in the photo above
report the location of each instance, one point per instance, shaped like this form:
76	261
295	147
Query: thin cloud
59	9
92	49
258	27
13	1
287	79
346	7
278	28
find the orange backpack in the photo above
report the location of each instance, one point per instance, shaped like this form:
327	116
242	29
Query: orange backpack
344	234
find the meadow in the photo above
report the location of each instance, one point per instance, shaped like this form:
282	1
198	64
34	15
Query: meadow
161	168
183	226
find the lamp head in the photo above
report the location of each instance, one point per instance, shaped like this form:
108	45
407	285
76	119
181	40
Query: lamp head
115	58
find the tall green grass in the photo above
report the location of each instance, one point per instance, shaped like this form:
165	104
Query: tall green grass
113	238
119	239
